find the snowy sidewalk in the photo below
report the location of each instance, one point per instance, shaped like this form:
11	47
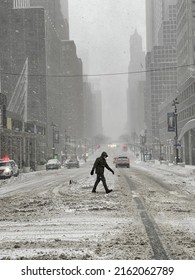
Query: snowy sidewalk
183	177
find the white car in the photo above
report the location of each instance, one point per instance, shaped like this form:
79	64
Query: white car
53	164
8	168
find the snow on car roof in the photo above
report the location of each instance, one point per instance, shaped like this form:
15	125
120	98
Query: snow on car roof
52	160
121	157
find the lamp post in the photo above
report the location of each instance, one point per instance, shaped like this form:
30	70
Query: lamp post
175	103
65	146
53	148
160	148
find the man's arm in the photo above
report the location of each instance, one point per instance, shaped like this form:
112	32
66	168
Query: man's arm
108	167
94	166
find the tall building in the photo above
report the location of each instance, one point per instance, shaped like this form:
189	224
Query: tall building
5	48
97	112
186	87
186	78
161	78
65	8
89	121
185	39
135	97
21	39
154	17
73	115
54	12
57	30
156	11
28	41
23	64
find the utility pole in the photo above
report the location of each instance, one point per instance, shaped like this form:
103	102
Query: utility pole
175	103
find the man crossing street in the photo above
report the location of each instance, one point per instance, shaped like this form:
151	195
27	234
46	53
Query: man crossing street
99	165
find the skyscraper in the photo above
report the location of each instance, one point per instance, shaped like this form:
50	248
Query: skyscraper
155	13
23	63
54	12
21	39
185	39
154	16
135	102
161	78
28	41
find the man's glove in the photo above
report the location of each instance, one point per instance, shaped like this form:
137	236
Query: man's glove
92	172
112	172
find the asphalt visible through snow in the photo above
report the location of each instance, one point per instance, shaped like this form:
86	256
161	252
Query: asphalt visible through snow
150	226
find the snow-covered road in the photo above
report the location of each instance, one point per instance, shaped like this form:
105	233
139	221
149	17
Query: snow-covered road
44	217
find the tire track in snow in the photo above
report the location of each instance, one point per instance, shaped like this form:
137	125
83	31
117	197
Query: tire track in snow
149	224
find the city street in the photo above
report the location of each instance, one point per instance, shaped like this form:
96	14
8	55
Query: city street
149	215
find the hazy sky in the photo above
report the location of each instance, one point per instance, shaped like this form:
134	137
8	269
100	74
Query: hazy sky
101	30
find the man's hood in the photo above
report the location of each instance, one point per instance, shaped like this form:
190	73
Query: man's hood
104	154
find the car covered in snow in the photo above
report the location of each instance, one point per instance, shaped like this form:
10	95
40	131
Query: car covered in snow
8	168
53	164
122	161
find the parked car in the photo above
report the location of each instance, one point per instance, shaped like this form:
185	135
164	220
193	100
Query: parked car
53	164
122	161
8	168
73	162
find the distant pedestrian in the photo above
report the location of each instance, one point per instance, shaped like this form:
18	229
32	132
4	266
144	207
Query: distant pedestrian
99	165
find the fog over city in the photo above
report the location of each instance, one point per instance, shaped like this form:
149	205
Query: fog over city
101	30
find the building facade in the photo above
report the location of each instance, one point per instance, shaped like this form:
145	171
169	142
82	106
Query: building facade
156	12
135	97
28	41
73	112
186	87
154	17
162	76
23	74
53	10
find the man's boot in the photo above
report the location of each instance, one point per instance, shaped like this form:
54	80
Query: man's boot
108	191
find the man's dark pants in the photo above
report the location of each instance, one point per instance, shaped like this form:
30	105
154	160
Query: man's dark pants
98	179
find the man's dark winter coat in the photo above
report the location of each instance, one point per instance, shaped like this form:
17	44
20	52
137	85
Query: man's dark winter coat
99	165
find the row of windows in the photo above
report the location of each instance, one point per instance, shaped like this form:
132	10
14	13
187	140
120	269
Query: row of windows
171	54
170	33
170	25
164	78
162	75
187	93
187	113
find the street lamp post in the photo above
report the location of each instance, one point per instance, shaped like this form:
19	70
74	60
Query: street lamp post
53	148
160	148
175	103
65	146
